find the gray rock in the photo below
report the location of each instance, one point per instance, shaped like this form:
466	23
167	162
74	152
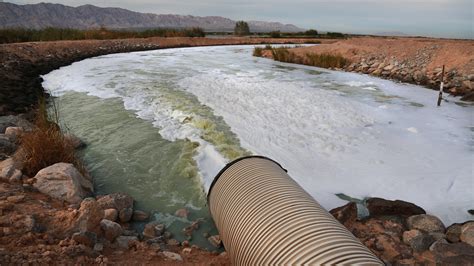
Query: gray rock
215	240
125	215
111	229
418	240
86	238
438	242
453	233
172	256
153	229
111	214
124	241
98	247
467	233
63	181
140	216
13	132
453	254
379	206
9	170
90	215
117	201
172	242
7	146
425	222
76	142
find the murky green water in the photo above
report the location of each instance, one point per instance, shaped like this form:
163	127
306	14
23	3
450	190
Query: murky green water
126	154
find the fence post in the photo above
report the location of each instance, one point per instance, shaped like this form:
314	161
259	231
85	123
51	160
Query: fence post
440	96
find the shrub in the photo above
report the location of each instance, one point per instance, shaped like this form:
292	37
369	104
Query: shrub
311	32
275	34
326	60
56	34
258	51
46	144
335	35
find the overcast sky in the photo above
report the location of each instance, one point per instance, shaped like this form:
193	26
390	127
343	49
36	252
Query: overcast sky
441	18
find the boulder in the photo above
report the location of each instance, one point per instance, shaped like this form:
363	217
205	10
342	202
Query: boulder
426	223
172	256
76	142
453	233
9	170
111	214
418	240
172	242
125	241
86	238
379	206
453	254
7	146
140	216
90	215
13	132
153	229
346	214
467	233
63	181
111	229
125	215
215	240
118	201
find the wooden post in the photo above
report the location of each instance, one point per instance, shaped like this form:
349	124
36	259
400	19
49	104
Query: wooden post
440	96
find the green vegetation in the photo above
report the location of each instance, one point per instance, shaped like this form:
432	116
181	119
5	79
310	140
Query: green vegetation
335	35
311	32
275	34
56	34
241	28
283	54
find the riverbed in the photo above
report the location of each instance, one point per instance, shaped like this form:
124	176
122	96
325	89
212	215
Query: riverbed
160	124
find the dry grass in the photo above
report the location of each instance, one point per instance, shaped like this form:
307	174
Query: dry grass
326	60
283	54
46	144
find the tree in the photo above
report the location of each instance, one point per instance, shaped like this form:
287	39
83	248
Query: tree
241	28
311	32
275	34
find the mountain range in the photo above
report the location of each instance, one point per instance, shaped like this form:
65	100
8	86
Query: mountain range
45	15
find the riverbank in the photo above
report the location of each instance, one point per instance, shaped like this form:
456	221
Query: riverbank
23	63
36	227
53	217
411	60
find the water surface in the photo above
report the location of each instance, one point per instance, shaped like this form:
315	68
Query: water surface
160	125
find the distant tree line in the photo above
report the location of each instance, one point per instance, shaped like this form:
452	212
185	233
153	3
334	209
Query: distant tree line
241	28
56	34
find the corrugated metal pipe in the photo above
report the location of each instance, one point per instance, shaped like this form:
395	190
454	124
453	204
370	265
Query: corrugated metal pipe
265	218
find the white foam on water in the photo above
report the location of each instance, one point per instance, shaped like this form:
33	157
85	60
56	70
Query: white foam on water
335	132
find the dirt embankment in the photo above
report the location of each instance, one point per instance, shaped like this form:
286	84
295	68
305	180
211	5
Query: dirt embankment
411	60
22	64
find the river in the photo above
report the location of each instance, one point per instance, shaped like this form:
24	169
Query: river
160	124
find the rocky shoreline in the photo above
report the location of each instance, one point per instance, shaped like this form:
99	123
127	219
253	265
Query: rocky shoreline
411	60
53	217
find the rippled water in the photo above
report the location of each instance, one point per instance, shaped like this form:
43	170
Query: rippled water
160	125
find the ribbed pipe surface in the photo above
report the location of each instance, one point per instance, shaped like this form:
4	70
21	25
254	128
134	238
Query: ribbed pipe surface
265	218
